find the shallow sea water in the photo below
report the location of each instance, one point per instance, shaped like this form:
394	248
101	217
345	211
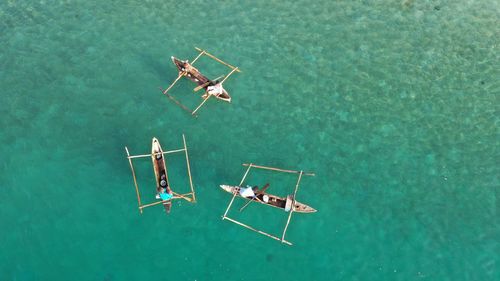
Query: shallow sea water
393	104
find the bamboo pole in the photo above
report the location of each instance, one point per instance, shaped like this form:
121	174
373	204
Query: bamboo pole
293	205
156	203
227	76
258	231
216	58
151	204
149	155
229	206
186	194
248	203
173	83
199	55
255	198
206	84
234	195
297	185
140	156
173	151
222	76
181	196
280	170
176	101
177	196
201	86
201	104
135	180
189	169
246	173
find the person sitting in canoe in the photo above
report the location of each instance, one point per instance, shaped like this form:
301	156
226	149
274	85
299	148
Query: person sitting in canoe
163	182
162	191
165	196
188	68
247	192
252	192
215	90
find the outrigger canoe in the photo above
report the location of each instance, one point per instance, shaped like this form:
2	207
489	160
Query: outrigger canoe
272	200
162	186
211	87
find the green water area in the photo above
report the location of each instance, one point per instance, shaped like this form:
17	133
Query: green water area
392	104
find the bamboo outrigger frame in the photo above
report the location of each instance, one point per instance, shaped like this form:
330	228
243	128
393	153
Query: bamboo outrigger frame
201	84
190	196
251	165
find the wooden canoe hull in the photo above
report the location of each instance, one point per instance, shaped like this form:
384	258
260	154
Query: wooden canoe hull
160	169
193	74
273	200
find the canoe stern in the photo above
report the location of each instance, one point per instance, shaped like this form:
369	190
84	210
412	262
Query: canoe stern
303	208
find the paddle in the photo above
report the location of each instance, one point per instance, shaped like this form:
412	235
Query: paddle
201	86
207	83
264	188
255	197
183	197
250	201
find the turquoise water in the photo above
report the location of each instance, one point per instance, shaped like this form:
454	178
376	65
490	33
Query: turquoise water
393	104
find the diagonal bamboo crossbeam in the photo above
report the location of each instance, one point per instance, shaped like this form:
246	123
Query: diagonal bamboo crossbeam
229	206
234	195
248	203
201	104
189	169
173	83
177	196
293	204
207	83
154	204
185	194
280	170
202	52
246	173
149	155
258	231
220	77
181	196
216	58
135	180
227	76
150	205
